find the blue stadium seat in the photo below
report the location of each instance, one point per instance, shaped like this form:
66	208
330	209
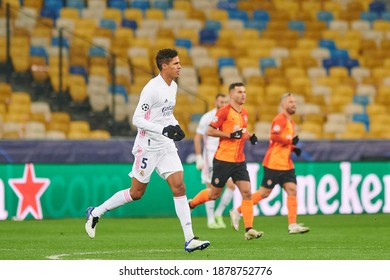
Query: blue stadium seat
369	16
350	63
108	23
142	5
185	43
226	61
118	4
55	41
386	16
39	51
207	36
364	118
129	23
266	62
119	89
162	4
261	15
50	13
325	16
328	63
227	5
79	70
339	54
53	4
327	44
363	100
213	24
78	4
238	14
256	24
97	51
377	7
297	25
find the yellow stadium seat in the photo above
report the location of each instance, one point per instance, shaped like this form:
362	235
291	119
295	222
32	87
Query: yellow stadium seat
100	134
114	14
154	13
381	25
338	72
79	126
312	127
133	14
69	12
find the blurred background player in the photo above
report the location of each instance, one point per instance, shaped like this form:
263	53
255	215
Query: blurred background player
229	124
278	165
205	164
154	149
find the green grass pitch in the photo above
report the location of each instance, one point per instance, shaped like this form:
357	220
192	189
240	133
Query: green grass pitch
332	237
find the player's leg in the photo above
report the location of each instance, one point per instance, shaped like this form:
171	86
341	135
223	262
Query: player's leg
207	172
142	169
226	198
292	205
118	199
221	173
247	210
170	168
205	195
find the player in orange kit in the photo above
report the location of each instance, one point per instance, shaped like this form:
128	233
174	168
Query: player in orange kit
229	124
278	165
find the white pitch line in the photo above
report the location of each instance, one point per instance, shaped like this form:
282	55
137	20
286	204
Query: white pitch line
60	256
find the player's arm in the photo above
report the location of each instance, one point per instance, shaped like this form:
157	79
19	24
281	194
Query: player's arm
276	129
212	131
198	150
214	128
198	144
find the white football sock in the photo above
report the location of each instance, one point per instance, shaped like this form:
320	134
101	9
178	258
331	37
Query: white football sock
226	198
210	206
184	214
118	199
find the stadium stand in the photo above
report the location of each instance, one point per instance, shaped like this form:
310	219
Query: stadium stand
331	54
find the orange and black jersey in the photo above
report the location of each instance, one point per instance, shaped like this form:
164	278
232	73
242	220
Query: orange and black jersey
278	155
229	120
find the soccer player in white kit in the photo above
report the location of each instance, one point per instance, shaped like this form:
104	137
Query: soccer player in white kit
205	164
154	149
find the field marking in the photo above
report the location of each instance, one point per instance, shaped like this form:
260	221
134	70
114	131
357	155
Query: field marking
60	256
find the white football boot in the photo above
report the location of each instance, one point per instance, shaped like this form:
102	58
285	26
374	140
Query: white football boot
297	228
90	224
195	244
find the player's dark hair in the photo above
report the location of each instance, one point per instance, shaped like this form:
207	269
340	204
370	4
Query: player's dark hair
233	85
164	56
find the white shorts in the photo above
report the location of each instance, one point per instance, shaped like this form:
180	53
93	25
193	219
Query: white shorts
165	162
207	170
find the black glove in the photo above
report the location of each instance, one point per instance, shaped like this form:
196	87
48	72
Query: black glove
253	139
180	133
297	151
236	134
170	131
295	140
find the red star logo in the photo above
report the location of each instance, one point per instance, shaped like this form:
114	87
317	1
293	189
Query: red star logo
29	189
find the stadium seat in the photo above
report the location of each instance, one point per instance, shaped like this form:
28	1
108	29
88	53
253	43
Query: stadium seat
99	134
377	7
267	62
207	36
55	135
363	118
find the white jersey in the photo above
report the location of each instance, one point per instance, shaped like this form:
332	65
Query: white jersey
210	143
154	112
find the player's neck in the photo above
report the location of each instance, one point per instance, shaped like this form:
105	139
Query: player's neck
166	78
236	106
288	116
